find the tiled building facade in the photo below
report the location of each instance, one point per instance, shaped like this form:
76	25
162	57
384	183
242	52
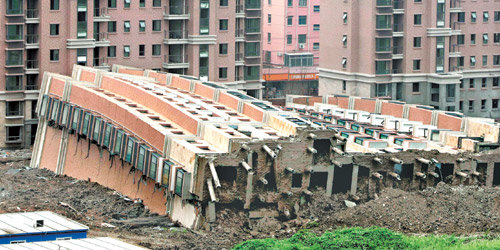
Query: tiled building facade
214	40
442	53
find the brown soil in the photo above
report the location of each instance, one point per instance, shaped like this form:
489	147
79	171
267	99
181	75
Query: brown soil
442	209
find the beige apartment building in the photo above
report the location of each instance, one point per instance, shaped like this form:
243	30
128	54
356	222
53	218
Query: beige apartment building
214	40
441	53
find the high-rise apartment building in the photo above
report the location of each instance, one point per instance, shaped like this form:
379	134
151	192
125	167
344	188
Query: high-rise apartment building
442	53
215	40
290	47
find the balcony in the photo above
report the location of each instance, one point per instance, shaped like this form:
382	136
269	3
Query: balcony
14	38
101	39
175	37
398	5
101	63
32	16
101	15
384	3
14	12
239	35
455	50
175	62
176	12
240	11
31	87
397	30
455	6
397	52
252	5
32	41
31	67
239	59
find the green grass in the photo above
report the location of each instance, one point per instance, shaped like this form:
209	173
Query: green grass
370	238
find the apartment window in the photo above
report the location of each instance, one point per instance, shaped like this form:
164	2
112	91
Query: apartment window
417	19
494	103
288	39
290	3
224	3
126	26
126	4
483	104
344	62
486	16
472	39
268	37
142	50
298	60
268	18
223	49
302	38
316	8
112	26
416	64
485	60
485	38
344	86
302	20
382	44
142	26
496	38
344	40
473	61
156	49
156	25
223	23
461	83
439	54
496	81
344	17
416	87
384	89
417	1
473	17
483	82
471	105
302	3
252	73
315	46
54	55
112	51
252	49
460	105
111	3
54	29
497	16
290	20
461	39
13	83
14	57
383	22
223	73
461	17
13	108
316	27
471	83
126	51
496	60
142	3
461	61
417	42
14	32
205	17
81	57
54	4
381	67
450	90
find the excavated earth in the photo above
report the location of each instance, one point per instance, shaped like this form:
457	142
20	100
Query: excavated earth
444	209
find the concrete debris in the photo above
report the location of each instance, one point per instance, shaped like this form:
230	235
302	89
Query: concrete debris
349	203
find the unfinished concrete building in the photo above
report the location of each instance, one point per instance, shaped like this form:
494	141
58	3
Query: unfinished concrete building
187	148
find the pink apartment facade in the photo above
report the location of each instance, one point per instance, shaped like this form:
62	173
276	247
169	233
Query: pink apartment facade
290	47
213	40
441	53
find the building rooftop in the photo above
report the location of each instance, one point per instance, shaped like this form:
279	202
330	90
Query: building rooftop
102	243
37	222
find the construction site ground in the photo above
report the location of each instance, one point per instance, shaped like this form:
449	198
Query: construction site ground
444	209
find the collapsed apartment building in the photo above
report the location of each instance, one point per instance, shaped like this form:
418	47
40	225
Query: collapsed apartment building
188	148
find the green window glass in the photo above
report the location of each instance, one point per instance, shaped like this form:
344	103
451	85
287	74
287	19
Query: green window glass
142	3
55	110
130	148
154	165
43	108
302	20
54	29
140	160
252	25
54	4
288	39
383	44
204	17
97	129
165	178
156	3
14	32
14	7
383	22
86	121
76	117
13	83
118	142
179	179
64	119
111	3
302	38
14	57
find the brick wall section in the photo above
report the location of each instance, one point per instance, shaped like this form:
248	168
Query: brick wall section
333	100
87	76
57	86
204	90
136	72
300	100
314	99
161	78
253	112
50	150
367	105
420	115
393	109
229	100
449	122
343	102
181	83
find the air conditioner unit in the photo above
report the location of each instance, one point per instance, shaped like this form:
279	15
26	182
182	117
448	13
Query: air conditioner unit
301	45
280	54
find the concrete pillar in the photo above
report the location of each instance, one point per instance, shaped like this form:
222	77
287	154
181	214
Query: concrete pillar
329	181
354	181
211	212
